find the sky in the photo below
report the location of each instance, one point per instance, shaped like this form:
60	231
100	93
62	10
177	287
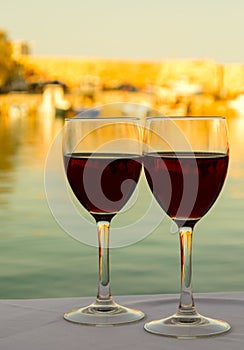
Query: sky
129	29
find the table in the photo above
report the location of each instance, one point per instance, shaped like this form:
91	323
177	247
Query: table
38	324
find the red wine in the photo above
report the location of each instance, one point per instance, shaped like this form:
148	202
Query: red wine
186	185
103	183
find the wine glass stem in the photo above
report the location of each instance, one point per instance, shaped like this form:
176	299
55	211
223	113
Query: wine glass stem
186	305
104	293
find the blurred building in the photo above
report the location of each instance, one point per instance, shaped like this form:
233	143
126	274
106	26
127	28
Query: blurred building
20	48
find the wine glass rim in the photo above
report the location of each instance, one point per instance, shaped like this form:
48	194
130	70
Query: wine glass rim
101	118
187	118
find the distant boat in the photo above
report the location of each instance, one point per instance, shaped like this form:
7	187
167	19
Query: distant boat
87	112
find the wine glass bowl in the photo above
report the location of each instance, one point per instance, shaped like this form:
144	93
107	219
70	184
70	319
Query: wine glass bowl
103	163
186	162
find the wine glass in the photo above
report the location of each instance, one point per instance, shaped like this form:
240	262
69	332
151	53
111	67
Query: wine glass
186	161
103	162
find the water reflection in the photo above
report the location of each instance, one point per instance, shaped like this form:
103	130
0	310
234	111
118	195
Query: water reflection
8	149
236	133
236	172
25	140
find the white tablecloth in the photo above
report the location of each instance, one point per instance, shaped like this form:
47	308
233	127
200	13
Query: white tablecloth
38	324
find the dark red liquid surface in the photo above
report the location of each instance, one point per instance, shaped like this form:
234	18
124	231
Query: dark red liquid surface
103	183
186	185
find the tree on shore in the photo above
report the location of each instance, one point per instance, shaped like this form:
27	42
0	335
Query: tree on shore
7	63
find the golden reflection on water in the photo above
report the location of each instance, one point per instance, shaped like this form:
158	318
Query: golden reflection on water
24	141
236	139
236	169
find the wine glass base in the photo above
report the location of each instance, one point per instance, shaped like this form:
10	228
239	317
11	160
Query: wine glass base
103	315
187	327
